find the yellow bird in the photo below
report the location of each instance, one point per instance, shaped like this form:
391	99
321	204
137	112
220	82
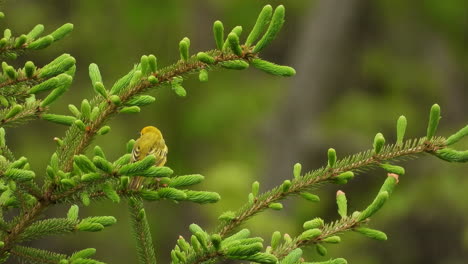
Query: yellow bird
151	142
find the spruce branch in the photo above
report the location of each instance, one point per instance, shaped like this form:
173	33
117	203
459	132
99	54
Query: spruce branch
339	172
6	152
76	140
26	81
140	226
18	89
12	237
30	187
40	256
48	227
26	112
12	47
207	249
317	233
356	163
36	256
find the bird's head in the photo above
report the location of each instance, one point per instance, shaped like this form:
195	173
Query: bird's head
150	129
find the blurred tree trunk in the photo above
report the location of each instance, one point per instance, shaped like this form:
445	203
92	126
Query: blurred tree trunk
322	57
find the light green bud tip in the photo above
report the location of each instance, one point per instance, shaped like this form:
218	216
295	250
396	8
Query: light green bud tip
434	118
378	202
321	249
152	63
314	223
310	197
401	129
62	31
393	169
203	75
275	239
457	136
297	170
144	65
293	257
184	49
255	188
204	57
276	206
342	203
41	43
29	69
272	68
235	64
390	183
94	73
234	44
104	130
179	90
73	212
115	99
379	142
260	26
286	185
332	240
36	31
372	233
331	157
16	109
344	177
218	32
273	29
310	234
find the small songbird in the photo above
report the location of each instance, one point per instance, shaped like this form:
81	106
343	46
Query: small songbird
151	142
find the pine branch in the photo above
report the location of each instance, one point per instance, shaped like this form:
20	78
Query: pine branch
36	256
12	47
4	227
31	188
361	161
48	227
14	233
7	153
76	140
335	228
27	112
356	163
64	195
140	226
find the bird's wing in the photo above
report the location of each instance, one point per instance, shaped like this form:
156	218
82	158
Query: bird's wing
136	154
159	150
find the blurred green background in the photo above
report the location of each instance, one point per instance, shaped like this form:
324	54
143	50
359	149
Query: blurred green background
360	64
